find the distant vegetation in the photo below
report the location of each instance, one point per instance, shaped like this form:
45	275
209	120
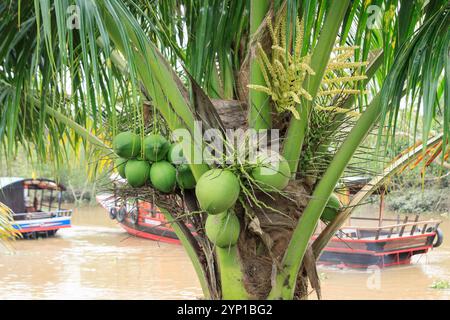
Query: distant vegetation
411	194
81	186
440	284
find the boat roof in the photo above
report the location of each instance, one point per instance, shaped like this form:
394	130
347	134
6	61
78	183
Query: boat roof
39	183
355	184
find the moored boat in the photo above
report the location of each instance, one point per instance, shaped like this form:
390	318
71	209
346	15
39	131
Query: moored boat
36	204
389	244
362	242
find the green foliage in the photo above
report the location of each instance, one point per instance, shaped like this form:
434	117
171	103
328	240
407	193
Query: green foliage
440	284
417	200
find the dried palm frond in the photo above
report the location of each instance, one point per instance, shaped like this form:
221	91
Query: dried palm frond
7	230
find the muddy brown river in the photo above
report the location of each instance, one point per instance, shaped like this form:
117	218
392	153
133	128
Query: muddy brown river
96	259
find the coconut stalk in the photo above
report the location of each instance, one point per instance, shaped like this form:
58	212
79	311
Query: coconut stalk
297	127
259	117
231	276
285	280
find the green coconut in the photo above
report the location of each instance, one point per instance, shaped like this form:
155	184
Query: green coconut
272	172
223	229
331	209
217	190
119	164
136	172
155	147
127	145
175	154
163	176
185	178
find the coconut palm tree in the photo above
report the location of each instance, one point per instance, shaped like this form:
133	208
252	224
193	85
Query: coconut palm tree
324	73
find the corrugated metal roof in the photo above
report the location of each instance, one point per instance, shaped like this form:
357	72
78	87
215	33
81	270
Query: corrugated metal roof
4	181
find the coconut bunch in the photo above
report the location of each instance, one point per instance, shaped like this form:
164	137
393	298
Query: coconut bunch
152	161
161	165
219	189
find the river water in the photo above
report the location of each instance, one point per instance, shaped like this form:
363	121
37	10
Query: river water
96	259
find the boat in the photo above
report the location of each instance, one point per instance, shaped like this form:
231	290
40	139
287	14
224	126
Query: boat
378	241
36	205
140	218
362	242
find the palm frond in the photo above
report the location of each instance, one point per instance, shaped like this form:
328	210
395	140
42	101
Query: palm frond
7	230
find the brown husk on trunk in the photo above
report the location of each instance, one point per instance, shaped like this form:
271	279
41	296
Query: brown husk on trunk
263	243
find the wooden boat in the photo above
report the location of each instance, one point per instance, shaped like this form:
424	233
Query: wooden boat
390	244
366	240
36	204
139	218
363	242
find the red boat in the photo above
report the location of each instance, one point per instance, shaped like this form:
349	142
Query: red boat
140	219
389	244
380	241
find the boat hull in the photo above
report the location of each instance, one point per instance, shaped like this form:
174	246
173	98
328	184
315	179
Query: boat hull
150	231
41	225
361	253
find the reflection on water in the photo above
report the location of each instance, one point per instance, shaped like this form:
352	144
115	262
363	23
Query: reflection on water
96	259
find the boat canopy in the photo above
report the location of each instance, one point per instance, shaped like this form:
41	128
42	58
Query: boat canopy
355	184
12	190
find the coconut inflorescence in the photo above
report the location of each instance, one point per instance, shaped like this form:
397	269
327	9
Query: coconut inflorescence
162	165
